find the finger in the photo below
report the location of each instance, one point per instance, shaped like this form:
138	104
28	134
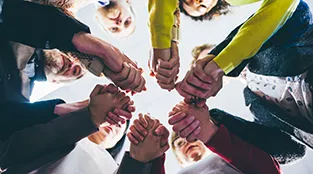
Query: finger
136	82
193	136
164	133
173	113
132	139
96	91
139	127
168	64
167	86
163	79
150	121
128	79
188	130
194	91
168	72
141	87
131	108
195	81
198	71
116	118
112	89
143	121
124	100
177	118
182	92
109	120
123	113
183	124
135	133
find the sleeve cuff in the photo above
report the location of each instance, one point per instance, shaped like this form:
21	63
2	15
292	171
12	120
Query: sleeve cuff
130	165
46	108
218	138
226	66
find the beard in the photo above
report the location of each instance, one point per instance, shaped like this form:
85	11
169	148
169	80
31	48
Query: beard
52	61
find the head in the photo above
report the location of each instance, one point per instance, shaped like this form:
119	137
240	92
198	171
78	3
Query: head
188	153
203	9
116	18
109	135
201	51
60	67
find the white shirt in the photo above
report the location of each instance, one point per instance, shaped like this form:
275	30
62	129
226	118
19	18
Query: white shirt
85	158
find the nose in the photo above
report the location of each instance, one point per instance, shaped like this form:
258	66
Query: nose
198	1
118	21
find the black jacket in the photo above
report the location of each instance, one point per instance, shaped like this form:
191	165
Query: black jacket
31	135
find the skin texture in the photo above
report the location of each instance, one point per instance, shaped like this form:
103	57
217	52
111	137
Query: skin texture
151	147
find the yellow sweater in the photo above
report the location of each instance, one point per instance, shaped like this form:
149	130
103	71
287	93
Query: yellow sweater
161	21
261	26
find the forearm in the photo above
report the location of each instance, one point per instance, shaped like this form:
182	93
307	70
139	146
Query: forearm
43	138
161	21
268	139
244	156
255	32
17	116
39	26
91	45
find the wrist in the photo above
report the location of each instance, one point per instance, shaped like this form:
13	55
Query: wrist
93	118
210	131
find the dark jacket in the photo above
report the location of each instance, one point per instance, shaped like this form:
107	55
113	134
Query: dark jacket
288	52
31	135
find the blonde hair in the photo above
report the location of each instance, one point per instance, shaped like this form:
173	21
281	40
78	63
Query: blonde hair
198	49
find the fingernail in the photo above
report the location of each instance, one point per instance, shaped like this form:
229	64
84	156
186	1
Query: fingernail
145	133
192	118
141	138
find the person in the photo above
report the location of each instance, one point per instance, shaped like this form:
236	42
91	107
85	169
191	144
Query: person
195	157
88	157
73	36
240	154
115	17
164	23
200	10
149	135
270	104
111	138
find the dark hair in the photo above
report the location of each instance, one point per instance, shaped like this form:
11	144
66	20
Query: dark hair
221	8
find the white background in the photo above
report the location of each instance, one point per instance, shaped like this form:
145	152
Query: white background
159	102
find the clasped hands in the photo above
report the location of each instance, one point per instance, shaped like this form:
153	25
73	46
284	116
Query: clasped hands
149	138
202	81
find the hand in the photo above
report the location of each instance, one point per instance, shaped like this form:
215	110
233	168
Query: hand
149	148
164	63
130	78
197	84
138	131
112	57
101	104
180	117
